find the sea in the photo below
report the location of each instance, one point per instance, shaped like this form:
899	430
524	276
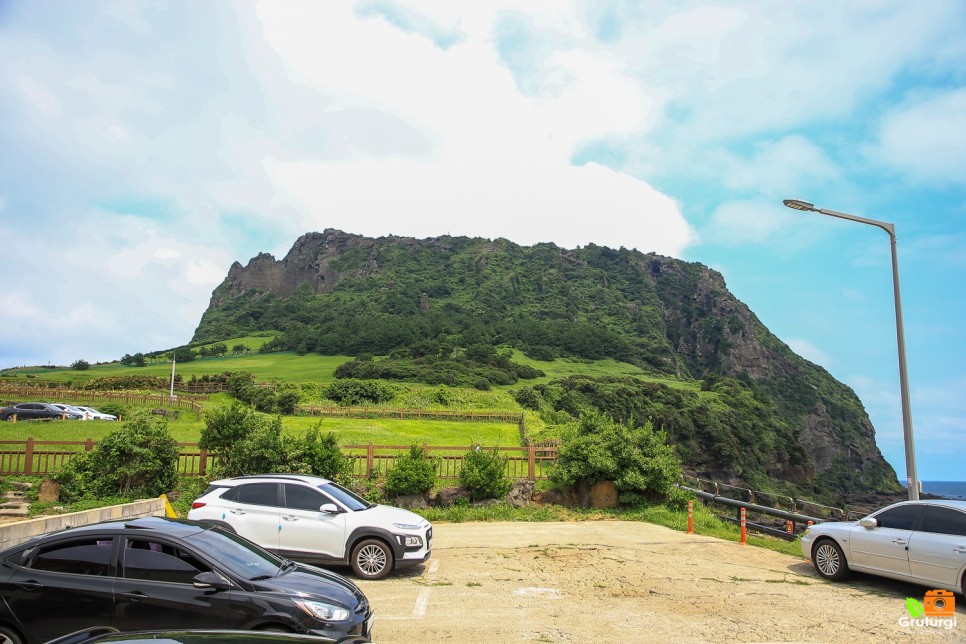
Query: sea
946	489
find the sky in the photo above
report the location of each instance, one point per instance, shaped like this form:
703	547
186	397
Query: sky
146	146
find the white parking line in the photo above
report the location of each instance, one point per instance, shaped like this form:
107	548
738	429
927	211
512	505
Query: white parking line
419	610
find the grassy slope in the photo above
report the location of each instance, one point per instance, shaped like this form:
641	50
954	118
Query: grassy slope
313	369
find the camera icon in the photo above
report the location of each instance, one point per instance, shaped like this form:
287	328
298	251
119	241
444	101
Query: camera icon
939	603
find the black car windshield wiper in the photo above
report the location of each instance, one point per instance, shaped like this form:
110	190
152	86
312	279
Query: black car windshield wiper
285	567
262	577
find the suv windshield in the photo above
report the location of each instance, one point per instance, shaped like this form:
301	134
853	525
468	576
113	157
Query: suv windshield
236	554
349	499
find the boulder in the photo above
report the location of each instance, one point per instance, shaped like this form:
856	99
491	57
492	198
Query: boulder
49	491
448	496
521	493
602	494
412	501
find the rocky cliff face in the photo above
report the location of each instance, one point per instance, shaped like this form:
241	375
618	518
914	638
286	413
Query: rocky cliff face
693	324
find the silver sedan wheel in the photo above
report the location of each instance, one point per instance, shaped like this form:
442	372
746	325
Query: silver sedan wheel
830	561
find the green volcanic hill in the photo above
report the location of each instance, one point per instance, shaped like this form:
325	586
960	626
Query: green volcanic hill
437	310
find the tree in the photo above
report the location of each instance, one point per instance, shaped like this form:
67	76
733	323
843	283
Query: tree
637	459
80	365
138	459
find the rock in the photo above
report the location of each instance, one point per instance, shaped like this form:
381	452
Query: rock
49	490
448	496
565	498
602	494
412	501
521	493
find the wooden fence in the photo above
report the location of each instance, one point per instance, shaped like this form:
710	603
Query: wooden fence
42	458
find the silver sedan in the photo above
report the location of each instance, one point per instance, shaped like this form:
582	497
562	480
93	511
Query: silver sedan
922	542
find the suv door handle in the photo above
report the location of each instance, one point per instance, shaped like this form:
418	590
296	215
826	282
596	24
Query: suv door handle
289	517
237	511
961	550
900	541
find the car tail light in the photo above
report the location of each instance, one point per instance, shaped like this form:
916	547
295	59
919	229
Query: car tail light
196	505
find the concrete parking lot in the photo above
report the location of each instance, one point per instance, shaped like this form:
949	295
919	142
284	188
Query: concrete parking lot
612	581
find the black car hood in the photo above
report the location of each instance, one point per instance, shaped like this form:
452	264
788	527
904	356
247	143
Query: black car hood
314	583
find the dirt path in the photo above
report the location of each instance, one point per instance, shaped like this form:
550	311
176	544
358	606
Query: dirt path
622	582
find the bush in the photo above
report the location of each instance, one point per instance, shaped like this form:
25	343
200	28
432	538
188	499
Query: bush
138	459
349	391
322	456
80	365
484	474
638	460
413	473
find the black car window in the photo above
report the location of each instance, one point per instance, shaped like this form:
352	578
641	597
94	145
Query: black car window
258	494
78	557
156	561
236	554
298	497
903	517
944	521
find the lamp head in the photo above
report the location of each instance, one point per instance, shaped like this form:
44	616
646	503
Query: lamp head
798	204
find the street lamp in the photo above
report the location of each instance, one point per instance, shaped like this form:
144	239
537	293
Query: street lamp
912	479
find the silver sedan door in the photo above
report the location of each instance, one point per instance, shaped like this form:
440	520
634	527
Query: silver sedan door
885	548
937	551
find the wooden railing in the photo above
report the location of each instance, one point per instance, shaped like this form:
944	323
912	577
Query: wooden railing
43	458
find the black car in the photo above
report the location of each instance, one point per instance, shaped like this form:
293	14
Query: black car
103	634
160	573
35	410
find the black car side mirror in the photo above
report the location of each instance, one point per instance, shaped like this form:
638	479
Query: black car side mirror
211	580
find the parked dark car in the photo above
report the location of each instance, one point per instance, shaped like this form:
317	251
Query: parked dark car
103	634
160	573
35	410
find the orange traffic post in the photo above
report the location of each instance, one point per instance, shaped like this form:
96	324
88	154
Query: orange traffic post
810	524
744	529
690	517
789	527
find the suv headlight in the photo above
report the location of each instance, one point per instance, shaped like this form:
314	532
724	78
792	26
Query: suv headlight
406	526
323	611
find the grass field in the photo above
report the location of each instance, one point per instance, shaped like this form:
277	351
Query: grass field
312	371
350	431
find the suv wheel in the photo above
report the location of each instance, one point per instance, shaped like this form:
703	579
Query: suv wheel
372	559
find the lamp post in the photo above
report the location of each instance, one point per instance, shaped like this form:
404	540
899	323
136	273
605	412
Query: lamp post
173	360
912	478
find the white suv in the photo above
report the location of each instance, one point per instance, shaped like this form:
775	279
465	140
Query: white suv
312	519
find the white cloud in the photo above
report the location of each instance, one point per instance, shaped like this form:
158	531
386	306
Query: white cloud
498	165
925	139
745	222
810	352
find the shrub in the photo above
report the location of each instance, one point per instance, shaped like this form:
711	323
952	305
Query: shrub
484	474
413	473
140	458
80	365
349	391
322	456
638	460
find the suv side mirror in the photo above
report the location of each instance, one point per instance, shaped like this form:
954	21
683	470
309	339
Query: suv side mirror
868	522
331	508
211	580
